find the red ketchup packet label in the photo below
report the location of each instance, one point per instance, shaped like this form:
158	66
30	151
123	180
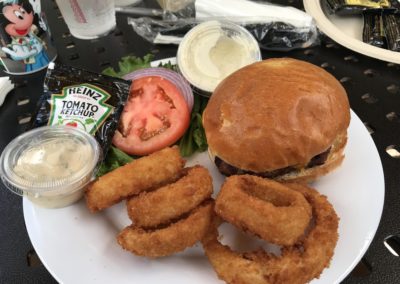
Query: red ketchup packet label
79	98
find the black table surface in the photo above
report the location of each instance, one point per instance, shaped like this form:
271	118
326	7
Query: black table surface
373	87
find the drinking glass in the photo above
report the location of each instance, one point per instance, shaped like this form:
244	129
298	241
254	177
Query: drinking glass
88	19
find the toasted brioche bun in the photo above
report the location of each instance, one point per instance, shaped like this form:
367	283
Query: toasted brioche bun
277	113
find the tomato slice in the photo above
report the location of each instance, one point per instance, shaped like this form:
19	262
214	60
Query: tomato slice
155	116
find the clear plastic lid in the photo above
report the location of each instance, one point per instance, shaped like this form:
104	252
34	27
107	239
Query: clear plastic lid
213	50
50	159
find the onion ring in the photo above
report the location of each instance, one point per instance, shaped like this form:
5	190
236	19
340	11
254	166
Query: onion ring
297	264
169	240
143	174
151	209
264	207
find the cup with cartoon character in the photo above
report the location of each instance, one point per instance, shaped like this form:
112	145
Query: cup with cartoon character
26	45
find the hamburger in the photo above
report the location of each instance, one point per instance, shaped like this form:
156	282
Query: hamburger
279	118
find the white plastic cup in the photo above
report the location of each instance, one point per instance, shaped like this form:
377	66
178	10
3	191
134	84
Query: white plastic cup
88	19
50	165
194	56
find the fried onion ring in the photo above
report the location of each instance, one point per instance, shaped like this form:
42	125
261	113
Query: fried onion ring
297	264
171	239
151	209
265	208
143	174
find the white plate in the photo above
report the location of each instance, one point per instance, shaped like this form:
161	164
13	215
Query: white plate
79	247
347	31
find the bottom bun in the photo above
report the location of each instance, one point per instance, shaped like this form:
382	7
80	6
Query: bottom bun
311	174
302	174
334	160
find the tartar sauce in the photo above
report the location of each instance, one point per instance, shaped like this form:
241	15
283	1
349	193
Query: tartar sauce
50	165
54	159
213	50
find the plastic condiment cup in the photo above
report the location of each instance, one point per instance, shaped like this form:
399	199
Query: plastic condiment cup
213	50
50	165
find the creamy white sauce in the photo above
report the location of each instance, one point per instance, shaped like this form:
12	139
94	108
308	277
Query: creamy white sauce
209	56
217	56
54	162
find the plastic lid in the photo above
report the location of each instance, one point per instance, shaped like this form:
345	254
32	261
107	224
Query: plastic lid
49	159
237	48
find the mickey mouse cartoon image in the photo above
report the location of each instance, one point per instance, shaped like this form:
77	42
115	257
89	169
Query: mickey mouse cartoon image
25	45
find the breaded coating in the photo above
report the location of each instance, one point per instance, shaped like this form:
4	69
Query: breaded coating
168	240
297	264
151	209
143	174
265	208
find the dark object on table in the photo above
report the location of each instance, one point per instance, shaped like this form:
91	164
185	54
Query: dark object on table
373	32
392	30
347	7
282	36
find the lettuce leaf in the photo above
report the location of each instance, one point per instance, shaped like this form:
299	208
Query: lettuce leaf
129	64
115	159
194	139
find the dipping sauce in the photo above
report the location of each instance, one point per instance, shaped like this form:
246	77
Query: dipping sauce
213	50
53	160
50	165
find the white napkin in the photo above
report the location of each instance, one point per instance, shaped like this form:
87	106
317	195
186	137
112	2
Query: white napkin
5	87
244	8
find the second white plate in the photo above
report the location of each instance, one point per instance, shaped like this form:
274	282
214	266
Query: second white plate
347	31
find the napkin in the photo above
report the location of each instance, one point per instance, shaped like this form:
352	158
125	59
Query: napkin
274	27
5	87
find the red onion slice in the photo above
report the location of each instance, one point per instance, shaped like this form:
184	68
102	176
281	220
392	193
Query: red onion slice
175	78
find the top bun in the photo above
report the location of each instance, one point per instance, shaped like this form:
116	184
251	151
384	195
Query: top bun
274	114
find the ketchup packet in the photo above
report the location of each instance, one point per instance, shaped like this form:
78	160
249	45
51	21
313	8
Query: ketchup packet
87	100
